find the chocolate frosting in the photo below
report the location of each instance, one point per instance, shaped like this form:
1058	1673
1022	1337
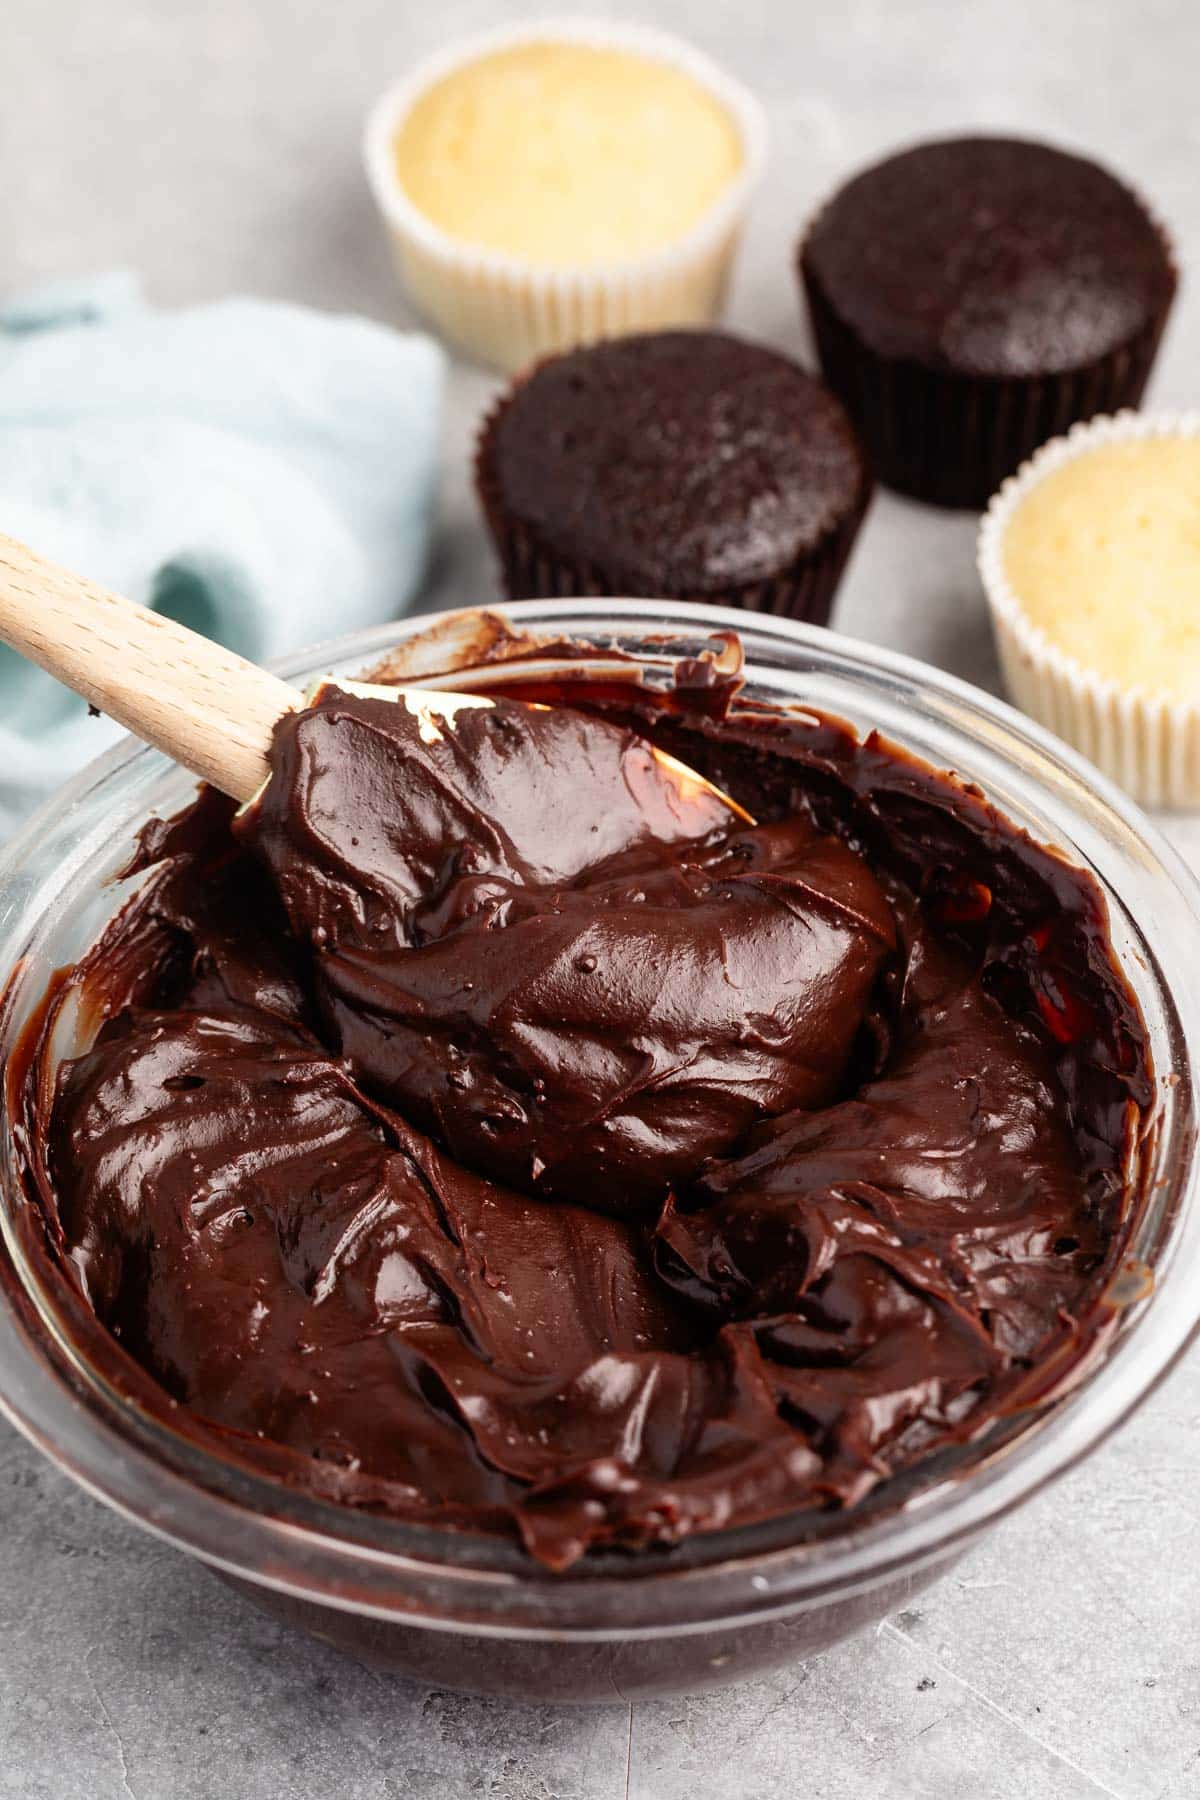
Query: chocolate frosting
482	1130
990	256
579	982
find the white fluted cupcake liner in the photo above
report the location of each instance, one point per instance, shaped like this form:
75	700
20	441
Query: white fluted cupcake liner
506	312
1148	744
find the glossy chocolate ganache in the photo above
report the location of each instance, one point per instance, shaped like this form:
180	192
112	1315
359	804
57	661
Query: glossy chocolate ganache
481	1132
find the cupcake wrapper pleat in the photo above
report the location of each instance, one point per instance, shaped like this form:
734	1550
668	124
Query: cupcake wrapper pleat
507	323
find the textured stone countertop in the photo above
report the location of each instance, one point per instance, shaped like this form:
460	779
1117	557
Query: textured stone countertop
215	149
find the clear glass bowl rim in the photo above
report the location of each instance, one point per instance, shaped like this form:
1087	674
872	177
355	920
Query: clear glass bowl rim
253	1528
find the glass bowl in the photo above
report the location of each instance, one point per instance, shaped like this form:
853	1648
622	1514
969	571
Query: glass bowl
472	1612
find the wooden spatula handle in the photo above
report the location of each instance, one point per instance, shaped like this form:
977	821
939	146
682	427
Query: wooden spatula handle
210	710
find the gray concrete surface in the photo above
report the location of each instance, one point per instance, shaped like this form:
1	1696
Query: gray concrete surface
215	149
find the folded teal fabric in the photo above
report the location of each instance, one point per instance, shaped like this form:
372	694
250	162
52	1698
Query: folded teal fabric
261	471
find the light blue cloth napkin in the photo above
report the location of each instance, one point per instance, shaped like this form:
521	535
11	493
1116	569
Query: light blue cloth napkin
263	472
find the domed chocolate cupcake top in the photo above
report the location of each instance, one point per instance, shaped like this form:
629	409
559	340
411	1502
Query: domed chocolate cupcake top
990	256
680	462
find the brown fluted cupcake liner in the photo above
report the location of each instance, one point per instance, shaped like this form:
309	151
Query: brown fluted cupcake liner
952	439
531	570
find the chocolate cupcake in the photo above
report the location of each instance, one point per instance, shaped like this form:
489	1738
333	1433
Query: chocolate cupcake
974	297
687	465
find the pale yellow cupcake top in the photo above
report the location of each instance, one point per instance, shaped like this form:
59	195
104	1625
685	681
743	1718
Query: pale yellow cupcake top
562	153
1102	555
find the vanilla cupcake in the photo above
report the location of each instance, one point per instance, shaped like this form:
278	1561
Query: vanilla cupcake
1090	558
558	183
